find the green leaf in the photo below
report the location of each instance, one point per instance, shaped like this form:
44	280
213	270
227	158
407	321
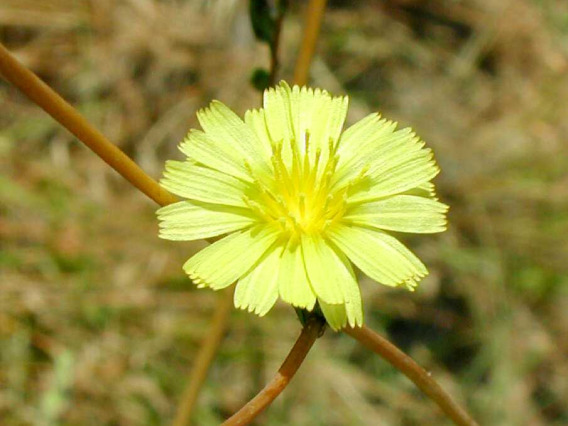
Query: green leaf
263	22
283	6
260	79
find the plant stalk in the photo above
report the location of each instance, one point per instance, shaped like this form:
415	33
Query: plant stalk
310	332
413	371
204	358
41	94
314	16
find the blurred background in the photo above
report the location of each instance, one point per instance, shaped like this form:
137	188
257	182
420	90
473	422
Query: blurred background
98	323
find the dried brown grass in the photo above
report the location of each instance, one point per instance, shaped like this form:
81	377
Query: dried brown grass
98	325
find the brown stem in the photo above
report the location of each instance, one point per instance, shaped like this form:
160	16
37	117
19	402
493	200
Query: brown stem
413	371
312	26
204	358
264	398
40	93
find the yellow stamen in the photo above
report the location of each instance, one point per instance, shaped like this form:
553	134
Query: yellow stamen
299	197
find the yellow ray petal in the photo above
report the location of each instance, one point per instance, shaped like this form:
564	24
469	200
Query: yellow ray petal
190	180
335	315
293	283
256	120
402	213
394	161
350	312
227	260
257	291
427	189
296	114
189	221
379	255
321	267
400	175
225	127
214	154
360	143
329	277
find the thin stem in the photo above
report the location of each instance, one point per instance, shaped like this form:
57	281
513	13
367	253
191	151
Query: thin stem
204	359
413	371
311	331
40	93
312	25
274	47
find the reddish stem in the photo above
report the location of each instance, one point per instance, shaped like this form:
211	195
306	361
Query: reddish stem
264	398
413	371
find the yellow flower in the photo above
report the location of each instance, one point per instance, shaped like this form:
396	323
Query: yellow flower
300	201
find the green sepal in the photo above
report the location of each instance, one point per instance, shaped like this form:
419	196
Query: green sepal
304	316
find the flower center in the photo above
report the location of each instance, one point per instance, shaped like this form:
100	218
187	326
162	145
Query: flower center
299	197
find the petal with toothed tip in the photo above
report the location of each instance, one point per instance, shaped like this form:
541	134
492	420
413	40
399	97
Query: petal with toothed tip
190	180
190	220
227	260
379	255
402	213
293	284
257	291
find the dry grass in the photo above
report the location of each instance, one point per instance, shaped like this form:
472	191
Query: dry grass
98	324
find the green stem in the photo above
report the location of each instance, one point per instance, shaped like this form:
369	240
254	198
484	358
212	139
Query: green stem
275	45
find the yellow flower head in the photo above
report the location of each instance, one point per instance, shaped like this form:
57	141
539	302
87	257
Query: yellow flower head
300	201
